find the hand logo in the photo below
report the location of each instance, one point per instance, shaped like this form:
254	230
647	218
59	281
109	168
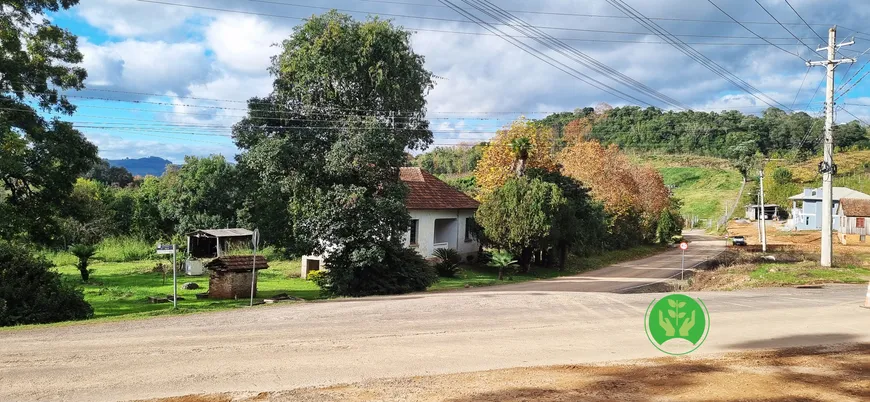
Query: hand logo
677	316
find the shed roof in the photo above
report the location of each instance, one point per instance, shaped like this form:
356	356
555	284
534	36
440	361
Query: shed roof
224	232
237	263
855	207
839	193
428	192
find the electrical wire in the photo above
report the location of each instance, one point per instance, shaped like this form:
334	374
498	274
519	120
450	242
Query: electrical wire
752	32
812	51
804	21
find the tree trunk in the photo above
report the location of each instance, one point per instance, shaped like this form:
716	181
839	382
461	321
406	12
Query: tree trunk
563	256
525	260
85	274
501	273
521	167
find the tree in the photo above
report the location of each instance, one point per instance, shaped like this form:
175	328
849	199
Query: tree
782	176
519	215
109	175
499	161
501	260
32	293
83	252
39	159
203	193
326	147
521	147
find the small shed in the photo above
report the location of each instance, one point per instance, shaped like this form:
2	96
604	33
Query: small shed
854	216
211	243
754	211
230	276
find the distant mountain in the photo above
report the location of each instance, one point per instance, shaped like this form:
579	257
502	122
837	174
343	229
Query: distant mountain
142	166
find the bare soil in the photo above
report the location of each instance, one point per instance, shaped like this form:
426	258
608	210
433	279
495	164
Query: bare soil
834	373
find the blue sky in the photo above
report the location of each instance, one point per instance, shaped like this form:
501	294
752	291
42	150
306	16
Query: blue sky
171	80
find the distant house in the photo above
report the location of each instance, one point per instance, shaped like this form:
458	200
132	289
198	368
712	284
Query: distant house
807	207
754	211
441	217
854	216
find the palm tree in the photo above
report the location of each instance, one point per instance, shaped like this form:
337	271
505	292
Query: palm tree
83	253
521	147
501	261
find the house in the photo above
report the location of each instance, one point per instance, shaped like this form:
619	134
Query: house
854	216
441	217
807	207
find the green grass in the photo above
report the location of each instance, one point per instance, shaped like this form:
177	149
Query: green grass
122	288
806	273
704	191
477	276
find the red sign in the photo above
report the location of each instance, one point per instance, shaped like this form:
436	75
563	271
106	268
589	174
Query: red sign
684	246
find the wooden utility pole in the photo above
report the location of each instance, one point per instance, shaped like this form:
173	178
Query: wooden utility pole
827	167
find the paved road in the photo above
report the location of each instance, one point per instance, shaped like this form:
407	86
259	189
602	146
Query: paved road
629	275
287	346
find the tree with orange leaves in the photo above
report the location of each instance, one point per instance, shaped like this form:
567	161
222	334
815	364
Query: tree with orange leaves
501	161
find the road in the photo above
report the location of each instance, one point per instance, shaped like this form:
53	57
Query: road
282	347
629	275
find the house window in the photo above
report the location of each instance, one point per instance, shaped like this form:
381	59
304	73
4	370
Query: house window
859	223
469	225
414	224
808	221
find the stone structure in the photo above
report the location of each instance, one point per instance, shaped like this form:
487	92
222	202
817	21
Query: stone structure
230	276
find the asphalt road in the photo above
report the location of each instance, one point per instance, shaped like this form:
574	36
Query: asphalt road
282	347
629	275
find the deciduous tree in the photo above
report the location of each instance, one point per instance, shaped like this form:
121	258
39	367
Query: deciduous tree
499	159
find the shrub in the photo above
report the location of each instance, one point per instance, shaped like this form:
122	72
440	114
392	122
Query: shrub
316	276
505	264
124	249
31	293
448	262
382	270
83	253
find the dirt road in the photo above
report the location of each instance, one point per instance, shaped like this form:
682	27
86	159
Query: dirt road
316	344
628	275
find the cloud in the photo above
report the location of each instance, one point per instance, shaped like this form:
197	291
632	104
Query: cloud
245	43
126	18
142	66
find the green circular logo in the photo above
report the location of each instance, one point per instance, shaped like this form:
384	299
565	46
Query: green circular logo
677	324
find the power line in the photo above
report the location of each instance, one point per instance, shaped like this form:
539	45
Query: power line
752	32
805	22
801	87
812	51
499	15
694	54
427	18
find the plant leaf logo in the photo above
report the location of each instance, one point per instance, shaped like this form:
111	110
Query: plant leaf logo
677	316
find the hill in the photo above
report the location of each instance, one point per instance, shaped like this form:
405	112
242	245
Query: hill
151	165
853	171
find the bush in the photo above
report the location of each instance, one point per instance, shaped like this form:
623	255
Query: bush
316	276
84	254
380	270
31	293
124	249
448	262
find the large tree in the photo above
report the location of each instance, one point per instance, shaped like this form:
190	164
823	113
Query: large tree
347	101
202	194
39	159
522	145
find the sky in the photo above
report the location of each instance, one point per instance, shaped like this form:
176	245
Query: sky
169	80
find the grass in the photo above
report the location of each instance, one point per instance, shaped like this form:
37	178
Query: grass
122	288
749	270
704	191
478	276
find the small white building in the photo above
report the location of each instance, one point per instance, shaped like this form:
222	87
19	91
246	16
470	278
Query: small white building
441	217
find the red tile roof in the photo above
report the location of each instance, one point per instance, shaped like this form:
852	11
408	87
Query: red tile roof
427	192
236	263
855	207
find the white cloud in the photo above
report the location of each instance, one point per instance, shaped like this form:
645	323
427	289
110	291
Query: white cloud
130	18
244	44
146	66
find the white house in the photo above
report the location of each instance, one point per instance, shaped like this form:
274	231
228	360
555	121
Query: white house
441	217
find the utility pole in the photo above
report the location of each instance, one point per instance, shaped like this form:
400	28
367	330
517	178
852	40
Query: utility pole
827	167
763	215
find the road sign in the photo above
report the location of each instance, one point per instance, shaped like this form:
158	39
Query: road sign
684	246
165	249
256	238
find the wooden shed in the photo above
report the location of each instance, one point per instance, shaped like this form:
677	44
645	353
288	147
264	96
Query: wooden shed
230	276
211	243
854	216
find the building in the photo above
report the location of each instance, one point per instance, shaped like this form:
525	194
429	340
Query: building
212	243
441	217
854	215
753	212
230	277
807	207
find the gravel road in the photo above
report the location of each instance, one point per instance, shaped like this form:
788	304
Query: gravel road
274	348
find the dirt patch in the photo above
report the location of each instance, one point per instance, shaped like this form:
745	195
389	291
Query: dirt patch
835	373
